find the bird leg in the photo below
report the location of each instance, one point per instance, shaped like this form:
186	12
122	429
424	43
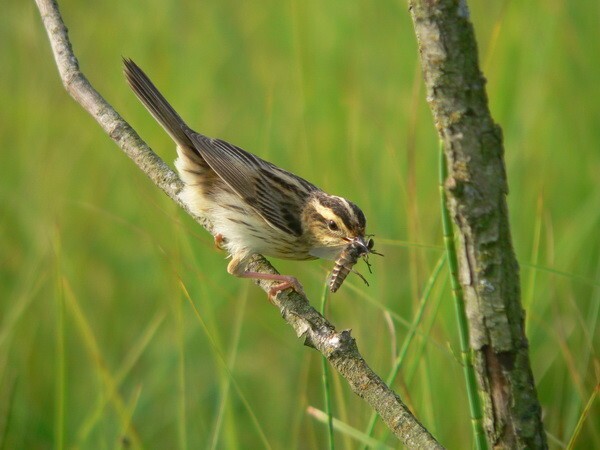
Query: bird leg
235	268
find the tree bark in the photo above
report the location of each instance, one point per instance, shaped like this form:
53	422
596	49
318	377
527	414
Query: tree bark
476	188
339	348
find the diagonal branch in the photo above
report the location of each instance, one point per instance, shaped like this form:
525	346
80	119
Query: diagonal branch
338	347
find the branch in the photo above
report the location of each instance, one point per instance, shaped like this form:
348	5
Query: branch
476	188
338	347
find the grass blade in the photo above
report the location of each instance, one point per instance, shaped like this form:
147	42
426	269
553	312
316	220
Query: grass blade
461	316
326	388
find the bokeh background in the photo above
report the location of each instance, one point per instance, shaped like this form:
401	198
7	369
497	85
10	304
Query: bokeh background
119	326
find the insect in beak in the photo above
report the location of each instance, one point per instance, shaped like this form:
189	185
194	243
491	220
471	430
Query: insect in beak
359	247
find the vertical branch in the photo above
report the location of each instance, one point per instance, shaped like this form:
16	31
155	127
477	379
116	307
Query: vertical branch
476	188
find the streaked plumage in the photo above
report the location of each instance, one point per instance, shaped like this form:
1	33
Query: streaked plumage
254	206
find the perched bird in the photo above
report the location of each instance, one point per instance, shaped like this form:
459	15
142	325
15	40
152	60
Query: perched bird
254	206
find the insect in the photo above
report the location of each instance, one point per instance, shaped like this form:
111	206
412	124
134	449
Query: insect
347	259
253	205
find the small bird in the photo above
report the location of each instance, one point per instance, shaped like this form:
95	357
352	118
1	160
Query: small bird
254	206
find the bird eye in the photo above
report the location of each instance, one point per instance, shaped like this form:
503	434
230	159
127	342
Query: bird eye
332	225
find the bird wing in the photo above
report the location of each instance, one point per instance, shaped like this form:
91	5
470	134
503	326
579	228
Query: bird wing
276	195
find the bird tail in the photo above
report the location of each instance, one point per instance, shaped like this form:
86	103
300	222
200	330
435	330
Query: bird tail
157	104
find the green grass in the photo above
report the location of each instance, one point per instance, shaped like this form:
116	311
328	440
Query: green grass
118	321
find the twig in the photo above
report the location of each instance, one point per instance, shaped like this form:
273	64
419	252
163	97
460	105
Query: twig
338	347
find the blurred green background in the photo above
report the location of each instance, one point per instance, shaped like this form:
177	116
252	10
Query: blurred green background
119	325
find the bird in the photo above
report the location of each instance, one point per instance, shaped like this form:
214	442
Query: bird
254	206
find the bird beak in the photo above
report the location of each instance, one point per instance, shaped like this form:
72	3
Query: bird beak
360	240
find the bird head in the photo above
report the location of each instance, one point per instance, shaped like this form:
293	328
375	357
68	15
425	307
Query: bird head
331	223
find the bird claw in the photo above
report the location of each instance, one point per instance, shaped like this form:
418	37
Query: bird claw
292	283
